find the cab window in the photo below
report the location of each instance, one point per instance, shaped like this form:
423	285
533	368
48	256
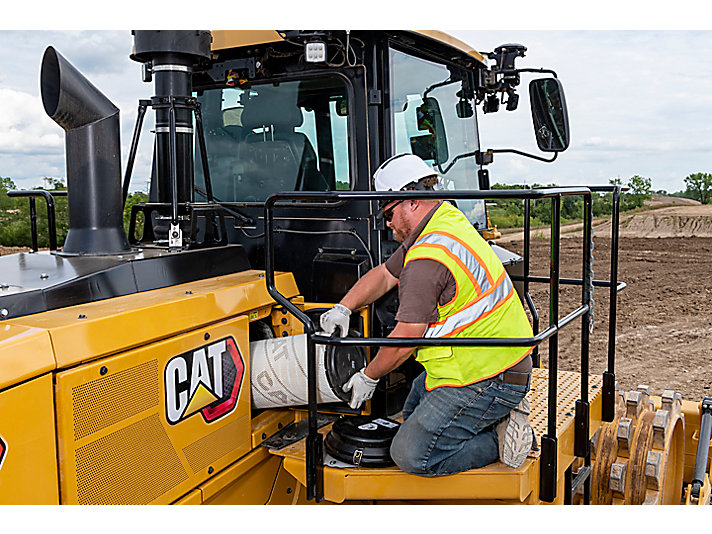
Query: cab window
288	136
433	117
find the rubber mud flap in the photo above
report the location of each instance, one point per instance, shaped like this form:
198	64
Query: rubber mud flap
364	441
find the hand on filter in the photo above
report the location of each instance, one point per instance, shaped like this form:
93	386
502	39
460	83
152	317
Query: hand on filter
361	387
336	317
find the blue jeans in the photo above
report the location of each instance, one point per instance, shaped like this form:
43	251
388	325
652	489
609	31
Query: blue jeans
452	429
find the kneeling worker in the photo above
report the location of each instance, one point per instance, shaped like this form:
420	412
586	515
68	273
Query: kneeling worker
467	409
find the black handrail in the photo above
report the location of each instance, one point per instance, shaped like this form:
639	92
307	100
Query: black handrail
609	376
536	358
314	453
51	219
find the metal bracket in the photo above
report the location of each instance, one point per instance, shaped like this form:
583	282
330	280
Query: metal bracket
175	237
294	432
374	97
218	71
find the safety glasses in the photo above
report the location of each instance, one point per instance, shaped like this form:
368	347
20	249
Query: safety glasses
388	214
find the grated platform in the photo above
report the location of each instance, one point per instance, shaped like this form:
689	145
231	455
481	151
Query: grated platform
495	481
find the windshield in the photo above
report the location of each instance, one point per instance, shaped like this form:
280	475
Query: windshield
288	136
433	117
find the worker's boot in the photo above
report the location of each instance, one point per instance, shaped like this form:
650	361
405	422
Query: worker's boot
515	436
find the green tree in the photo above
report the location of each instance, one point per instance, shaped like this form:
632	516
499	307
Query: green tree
131	199
640	191
7	203
15	225
700	185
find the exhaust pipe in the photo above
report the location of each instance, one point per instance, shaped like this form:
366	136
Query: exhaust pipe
91	125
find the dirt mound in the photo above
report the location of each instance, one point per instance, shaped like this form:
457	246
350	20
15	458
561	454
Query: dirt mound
687	219
667	223
676	221
659	201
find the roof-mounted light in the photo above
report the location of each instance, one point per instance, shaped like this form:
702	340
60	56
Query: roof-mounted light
315	51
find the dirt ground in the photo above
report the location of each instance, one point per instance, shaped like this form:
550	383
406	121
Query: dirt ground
664	320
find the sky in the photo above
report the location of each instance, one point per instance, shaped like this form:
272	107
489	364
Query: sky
639	101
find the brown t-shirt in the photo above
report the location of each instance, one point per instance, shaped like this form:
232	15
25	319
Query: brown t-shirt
424	283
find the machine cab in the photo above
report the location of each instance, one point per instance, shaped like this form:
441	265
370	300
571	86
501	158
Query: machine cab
319	111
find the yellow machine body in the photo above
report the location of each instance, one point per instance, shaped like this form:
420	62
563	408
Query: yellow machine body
101	431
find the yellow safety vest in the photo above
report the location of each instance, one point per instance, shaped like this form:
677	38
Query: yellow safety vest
485	305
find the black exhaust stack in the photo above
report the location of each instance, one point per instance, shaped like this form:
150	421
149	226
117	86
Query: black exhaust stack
91	125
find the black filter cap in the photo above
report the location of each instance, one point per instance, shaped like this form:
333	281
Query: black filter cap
363	440
341	363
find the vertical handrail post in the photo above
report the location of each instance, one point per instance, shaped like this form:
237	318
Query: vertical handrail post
536	358
548	462
609	376
314	443
33	224
582	446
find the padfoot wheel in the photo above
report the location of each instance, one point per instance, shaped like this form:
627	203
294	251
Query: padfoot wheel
638	457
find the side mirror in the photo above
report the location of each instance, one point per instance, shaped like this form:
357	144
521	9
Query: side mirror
433	145
551	120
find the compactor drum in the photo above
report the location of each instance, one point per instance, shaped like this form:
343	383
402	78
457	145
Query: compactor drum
639	456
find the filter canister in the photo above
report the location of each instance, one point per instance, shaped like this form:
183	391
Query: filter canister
278	369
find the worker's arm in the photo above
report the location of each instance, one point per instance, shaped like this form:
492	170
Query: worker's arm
370	287
373	285
388	358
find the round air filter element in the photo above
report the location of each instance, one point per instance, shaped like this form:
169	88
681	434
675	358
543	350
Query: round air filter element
362	440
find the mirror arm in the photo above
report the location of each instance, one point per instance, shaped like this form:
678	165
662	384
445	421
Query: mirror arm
517	71
485	158
455	160
439	84
502	150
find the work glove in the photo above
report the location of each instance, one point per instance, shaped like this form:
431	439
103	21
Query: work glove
361	387
336	317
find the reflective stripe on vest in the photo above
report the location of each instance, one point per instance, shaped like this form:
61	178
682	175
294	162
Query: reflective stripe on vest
472	312
470	260
485	303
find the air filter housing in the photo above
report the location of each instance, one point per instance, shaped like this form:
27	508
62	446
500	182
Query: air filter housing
362	440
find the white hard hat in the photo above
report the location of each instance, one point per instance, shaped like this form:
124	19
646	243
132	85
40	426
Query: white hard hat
398	171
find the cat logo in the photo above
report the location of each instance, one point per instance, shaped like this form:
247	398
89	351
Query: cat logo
3	451
205	380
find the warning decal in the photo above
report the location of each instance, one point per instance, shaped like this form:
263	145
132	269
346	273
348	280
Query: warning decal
206	380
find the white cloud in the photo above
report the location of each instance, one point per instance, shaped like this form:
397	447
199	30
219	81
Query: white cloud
640	102
24	126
